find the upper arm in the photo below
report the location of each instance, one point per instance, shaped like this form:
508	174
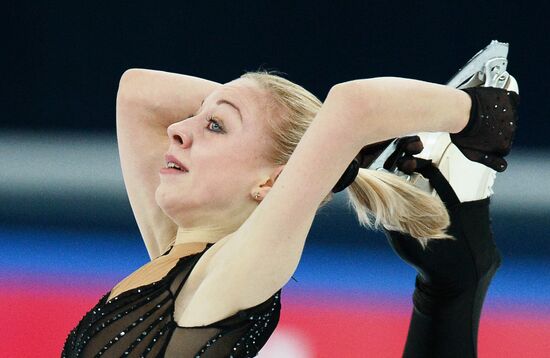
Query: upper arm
147	102
141	153
400	106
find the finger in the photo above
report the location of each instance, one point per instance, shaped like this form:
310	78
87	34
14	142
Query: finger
391	163
365	160
414	147
410	145
376	147
405	147
490	160
369	153
407	164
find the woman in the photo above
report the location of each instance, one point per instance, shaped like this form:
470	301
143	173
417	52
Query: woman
223	223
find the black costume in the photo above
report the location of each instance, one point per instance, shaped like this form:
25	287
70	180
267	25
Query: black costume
140	323
453	276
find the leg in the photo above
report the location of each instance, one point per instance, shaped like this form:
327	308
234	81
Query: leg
453	277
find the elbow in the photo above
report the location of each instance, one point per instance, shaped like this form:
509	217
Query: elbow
358	97
128	89
128	98
360	104
124	90
130	75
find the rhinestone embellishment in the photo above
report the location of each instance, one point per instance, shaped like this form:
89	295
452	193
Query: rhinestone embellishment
142	321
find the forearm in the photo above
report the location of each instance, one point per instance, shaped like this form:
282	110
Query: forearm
388	107
161	97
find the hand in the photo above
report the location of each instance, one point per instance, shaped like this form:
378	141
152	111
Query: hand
488	136
402	158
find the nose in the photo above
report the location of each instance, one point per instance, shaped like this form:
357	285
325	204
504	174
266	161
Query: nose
179	134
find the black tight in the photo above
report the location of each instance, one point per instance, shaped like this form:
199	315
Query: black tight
453	277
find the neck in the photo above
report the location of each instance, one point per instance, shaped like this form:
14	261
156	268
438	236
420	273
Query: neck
200	235
201	232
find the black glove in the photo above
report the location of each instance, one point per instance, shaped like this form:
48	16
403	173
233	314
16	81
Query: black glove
488	136
402	158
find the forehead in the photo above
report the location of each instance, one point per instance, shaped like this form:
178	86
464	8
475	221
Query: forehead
244	92
242	84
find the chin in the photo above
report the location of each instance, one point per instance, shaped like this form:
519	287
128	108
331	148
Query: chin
168	201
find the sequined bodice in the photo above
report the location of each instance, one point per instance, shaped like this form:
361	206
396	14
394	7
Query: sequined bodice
140	323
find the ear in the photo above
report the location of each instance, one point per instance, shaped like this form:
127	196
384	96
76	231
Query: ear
276	172
266	185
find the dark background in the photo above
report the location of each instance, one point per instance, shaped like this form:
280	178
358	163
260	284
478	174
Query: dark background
64	58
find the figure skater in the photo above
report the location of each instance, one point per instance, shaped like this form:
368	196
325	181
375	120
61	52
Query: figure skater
225	181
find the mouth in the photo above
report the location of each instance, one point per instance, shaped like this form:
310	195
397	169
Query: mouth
172	168
173	165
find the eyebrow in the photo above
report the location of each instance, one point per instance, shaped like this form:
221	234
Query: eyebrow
223	101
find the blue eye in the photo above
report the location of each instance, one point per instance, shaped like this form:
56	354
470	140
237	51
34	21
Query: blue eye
212	120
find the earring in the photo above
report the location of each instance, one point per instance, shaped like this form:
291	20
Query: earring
256	195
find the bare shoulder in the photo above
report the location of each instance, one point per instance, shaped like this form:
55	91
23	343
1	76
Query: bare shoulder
193	307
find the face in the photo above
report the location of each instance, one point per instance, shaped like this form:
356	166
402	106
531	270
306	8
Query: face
223	146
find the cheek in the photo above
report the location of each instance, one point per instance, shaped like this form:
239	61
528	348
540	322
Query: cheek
222	169
229	174
232	172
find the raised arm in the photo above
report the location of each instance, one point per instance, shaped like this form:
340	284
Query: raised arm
147	103
387	107
264	252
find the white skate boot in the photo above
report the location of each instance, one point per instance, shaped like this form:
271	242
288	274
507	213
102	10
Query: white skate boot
486	69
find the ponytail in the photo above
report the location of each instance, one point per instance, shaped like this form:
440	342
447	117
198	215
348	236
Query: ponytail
384	199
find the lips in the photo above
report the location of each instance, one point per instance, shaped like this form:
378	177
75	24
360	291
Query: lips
170	158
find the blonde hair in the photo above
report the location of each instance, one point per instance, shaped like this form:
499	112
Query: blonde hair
378	198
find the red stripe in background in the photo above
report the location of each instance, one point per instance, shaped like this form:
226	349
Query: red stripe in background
35	323
381	332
